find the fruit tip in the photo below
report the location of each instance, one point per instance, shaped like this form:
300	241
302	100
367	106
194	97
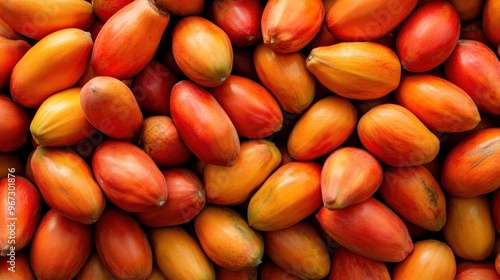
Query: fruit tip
161	203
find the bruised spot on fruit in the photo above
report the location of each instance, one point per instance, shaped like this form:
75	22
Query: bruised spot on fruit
487	150
433	197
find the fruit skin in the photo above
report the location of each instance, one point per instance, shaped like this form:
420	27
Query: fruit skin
388	131
491	12
344	182
8	32
109	105
240	20
22	269
227	239
152	87
290	194
227	274
430	259
12	51
429	35
345	262
252	109
161	140
293	86
483	85
36	19
172	246
366	20
66	184
14	127
194	7
128	40
438	103
368	228
202	50
289	26
470	270
231	185
415	195
22	201
325	125
94	269
128	177
104	9
356	70
468	10
209	134
54	63
270	271
470	168
299	250
495	209
469	221
186	198
70	252
122	245
60	120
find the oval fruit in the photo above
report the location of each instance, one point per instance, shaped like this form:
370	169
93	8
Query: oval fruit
288	26
438	103
122	245
70	252
468	10
13	50
227	239
368	228
322	128
366	20
104	9
202	50
356	70
172	246
299	250
17	267
430	259
356	267
60	120
94	269
415	195
240	20
15	122
152	87
345	182
252	109
293	86
109	105
429	35
128	177
38	18
67	184
129	39
483	85
491	12
470	168
209	134
160	139
186	198
53	64
469	221
289	195
471	270
20	210
231	185
389	131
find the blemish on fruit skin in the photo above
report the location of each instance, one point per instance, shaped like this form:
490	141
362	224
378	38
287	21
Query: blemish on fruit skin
487	150
433	197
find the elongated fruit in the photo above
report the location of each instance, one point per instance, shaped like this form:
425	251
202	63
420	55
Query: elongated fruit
54	63
209	134
67	184
129	177
346	263
70	252
368	228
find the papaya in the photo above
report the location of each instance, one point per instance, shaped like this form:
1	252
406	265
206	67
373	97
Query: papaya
94	269
15	123
491	12
13	50
346	263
